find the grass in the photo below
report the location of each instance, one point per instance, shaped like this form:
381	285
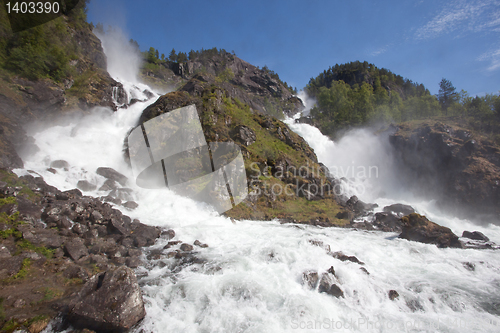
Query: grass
23	272
25	244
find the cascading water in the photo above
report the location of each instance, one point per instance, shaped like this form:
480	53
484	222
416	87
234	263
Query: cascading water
249	279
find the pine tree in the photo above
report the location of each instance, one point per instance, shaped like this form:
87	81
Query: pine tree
172	56
447	94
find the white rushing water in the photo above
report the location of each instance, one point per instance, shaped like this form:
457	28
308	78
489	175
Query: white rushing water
249	279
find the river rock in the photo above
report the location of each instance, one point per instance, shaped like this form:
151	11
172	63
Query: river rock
419	229
310	278
327	285
109	302
59	164
112	174
387	222
399	209
85	185
476	235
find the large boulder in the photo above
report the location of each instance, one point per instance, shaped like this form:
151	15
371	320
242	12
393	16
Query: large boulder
109	302
112	174
419	229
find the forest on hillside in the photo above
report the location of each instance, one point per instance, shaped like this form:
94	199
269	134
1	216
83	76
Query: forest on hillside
359	93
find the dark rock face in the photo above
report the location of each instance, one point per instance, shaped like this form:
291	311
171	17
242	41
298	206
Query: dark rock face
448	163
419	229
109	302
245	135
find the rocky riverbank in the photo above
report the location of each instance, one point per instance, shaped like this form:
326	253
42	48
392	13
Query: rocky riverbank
66	255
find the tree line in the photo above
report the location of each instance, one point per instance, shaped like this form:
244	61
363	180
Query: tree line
358	94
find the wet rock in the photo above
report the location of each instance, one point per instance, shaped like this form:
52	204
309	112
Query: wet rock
327	285
399	209
342	257
74	193
109	302
320	244
364	270
393	294
469	266
171	243
114	200
200	244
145	234
85	185
168	234
310	278
108	185
75	249
112	174
131	205
59	164
476	235
419	229
387	222
358	206
186	247
124	194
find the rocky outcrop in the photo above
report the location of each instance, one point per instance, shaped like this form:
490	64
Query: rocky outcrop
447	162
419	229
109	302
282	169
261	89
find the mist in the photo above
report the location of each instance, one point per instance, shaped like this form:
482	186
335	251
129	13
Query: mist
123	59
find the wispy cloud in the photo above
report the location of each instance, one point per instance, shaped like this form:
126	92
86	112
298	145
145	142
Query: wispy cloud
493	57
379	51
463	17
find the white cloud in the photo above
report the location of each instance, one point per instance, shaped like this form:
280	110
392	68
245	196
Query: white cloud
461	17
493	57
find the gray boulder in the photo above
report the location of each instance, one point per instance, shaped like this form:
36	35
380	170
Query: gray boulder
109	302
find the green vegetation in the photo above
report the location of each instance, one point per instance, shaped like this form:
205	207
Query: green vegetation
357	94
25	244
25	266
225	76
44	51
50	294
13	180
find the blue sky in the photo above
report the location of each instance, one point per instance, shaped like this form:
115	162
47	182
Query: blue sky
422	40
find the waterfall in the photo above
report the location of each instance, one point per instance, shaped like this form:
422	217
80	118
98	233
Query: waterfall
250	277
